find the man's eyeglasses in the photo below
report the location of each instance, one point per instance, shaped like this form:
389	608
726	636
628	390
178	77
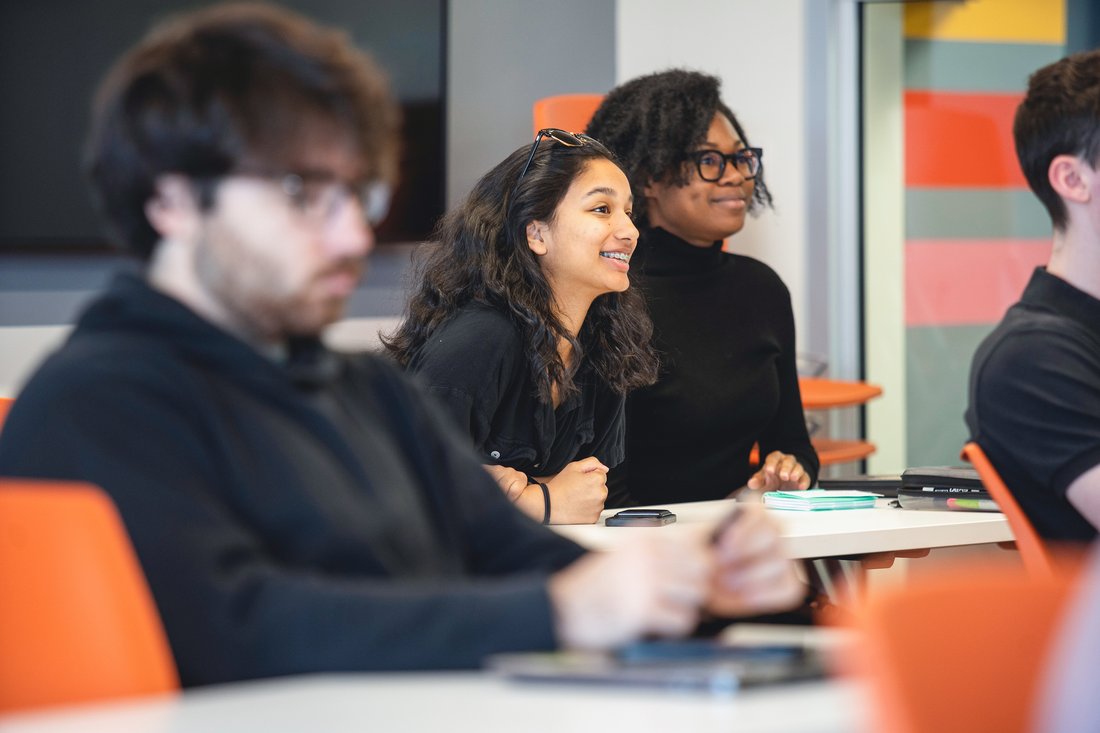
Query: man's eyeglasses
568	139
711	164
319	195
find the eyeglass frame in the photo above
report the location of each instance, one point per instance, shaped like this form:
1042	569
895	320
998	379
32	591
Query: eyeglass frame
574	140
733	158
373	195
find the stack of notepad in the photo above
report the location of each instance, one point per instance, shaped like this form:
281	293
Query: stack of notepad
817	500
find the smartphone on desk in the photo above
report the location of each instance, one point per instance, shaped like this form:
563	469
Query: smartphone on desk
641	518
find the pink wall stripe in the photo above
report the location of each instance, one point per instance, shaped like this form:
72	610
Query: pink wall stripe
967	282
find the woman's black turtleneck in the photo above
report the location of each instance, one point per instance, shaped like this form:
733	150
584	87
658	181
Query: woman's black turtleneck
724	328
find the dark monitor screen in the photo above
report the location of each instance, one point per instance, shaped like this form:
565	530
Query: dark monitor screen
54	52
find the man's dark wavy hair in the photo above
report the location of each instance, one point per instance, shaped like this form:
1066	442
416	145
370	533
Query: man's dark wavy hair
652	122
1059	116
224	88
479	253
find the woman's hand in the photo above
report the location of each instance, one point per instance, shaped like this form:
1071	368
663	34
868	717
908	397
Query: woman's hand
511	481
780	472
578	493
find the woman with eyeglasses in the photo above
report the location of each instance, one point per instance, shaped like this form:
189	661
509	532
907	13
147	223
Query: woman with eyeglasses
521	323
723	323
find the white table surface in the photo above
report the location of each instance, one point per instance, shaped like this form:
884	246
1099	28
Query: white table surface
456	703
826	534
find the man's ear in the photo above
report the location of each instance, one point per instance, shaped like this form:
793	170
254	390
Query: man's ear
173	209
535	237
649	190
1070	177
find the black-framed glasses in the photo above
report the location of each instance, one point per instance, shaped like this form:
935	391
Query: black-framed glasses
711	164
319	195
568	139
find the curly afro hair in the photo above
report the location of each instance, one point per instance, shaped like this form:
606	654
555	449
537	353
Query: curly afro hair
650	123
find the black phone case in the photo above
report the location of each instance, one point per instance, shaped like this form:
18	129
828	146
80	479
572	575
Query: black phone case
617	521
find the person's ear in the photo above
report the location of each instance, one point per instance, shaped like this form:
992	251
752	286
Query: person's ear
1070	177
649	190
173	209
536	237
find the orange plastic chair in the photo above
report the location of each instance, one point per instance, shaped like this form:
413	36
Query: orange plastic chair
570	112
1034	552
5	405
962	651
77	620
819	393
831	451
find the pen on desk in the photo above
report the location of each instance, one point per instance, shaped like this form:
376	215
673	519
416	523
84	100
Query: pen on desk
725	523
745	495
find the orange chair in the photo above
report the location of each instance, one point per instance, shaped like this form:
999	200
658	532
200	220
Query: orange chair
825	394
819	393
5	405
77	620
1033	551
962	651
570	112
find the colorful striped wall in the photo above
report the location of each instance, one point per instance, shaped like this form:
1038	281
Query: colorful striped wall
973	231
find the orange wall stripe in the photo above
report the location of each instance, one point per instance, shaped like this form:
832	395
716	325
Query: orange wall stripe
954	139
951	283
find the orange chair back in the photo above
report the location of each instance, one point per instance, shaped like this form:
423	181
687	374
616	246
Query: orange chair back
77	620
1033	551
5	405
569	112
961	651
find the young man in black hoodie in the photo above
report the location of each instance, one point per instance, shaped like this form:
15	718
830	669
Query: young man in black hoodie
296	509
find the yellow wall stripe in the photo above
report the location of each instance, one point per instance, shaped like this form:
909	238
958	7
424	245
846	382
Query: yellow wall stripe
1015	21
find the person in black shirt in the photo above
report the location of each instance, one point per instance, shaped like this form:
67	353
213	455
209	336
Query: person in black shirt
723	324
1035	380
295	509
522	323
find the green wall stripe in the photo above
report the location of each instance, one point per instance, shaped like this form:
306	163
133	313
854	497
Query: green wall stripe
974	213
958	66
938	367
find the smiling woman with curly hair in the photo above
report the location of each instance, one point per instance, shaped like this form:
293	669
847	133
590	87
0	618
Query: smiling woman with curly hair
522	324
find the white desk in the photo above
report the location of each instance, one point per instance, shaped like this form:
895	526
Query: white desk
457	703
827	534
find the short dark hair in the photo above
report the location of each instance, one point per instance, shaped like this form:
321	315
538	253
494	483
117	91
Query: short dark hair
653	121
479	253
1059	116
225	87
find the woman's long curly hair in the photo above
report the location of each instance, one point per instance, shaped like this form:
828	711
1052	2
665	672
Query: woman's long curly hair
652	122
479	253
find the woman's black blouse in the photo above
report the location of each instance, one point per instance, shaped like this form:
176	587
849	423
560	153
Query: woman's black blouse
476	365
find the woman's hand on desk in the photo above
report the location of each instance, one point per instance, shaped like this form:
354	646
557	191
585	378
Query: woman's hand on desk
578	493
780	472
652	584
753	575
